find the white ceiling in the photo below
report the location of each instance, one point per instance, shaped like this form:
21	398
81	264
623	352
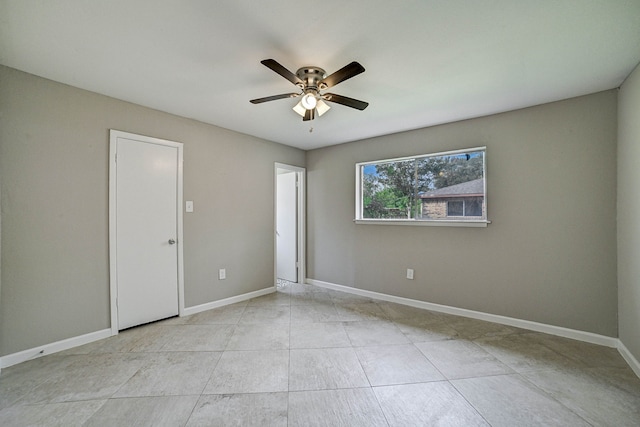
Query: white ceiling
428	61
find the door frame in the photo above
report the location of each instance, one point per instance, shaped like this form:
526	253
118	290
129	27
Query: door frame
113	241
301	220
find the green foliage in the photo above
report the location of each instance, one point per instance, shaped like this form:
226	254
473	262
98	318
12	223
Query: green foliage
456	170
386	203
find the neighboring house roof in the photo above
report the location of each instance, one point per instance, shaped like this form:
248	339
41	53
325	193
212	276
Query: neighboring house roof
466	189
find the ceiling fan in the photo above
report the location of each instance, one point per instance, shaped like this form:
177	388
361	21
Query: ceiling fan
311	81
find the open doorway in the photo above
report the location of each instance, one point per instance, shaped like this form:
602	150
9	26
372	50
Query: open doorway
289	224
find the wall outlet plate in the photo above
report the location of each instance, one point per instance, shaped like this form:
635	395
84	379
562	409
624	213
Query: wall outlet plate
410	273
222	274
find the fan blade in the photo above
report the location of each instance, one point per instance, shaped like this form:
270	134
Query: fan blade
274	97
275	66
341	75
349	102
309	115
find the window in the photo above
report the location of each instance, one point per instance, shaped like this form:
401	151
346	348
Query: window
468	207
431	189
455	208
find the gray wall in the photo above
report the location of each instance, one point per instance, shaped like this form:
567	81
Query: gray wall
550	254
54	145
628	209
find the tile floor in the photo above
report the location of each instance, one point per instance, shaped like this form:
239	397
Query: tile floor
307	356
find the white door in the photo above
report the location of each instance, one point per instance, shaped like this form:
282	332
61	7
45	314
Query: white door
146	229
286	226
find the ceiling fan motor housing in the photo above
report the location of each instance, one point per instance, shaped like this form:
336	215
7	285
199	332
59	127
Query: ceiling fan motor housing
311	77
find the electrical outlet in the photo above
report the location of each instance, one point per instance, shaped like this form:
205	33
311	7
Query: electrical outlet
410	273
222	274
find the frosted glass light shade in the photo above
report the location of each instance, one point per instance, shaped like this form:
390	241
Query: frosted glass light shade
322	107
299	108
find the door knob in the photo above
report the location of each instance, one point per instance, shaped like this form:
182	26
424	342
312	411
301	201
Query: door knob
172	242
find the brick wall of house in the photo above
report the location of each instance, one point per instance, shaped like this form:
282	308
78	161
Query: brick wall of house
434	209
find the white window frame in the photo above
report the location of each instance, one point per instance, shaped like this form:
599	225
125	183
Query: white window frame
419	222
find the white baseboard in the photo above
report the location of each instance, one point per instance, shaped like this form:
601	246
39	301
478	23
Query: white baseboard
510	321
227	301
631	360
23	356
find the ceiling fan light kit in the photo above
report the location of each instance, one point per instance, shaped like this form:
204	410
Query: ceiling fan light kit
311	80
309	100
320	108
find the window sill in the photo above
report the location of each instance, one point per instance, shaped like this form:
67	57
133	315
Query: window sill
433	223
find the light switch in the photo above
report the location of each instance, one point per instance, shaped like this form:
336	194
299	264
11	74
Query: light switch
189	206
410	273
